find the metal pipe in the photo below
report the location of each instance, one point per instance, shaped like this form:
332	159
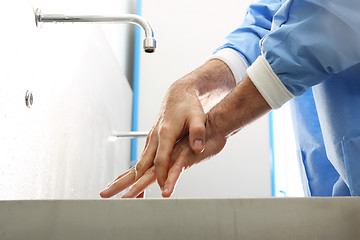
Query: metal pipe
130	134
149	41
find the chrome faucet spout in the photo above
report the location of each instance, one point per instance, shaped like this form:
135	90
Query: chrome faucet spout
149	41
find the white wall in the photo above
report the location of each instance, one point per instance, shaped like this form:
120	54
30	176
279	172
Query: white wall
188	32
60	148
119	36
287	172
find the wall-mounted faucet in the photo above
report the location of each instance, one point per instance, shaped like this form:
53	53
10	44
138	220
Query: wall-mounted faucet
149	41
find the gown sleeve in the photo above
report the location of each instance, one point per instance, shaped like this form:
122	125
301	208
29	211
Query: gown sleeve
241	47
309	41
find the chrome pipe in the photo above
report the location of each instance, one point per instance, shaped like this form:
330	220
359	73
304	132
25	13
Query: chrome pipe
130	134
149	41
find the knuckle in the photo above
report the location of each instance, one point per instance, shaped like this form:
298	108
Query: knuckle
139	167
164	130
160	162
198	129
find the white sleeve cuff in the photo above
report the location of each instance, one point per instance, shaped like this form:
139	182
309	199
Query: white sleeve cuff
268	83
233	60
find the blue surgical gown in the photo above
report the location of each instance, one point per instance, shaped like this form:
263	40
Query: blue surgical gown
309	51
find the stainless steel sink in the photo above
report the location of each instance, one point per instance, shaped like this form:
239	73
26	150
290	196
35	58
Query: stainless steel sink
268	218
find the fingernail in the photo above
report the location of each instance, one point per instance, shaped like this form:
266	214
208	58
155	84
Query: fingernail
198	144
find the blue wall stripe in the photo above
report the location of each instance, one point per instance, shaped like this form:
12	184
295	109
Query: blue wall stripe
136	79
272	150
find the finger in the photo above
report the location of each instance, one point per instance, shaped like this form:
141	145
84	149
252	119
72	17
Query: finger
145	181
161	161
147	158
118	178
173	176
150	134
197	132
119	185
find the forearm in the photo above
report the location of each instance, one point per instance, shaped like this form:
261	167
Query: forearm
241	106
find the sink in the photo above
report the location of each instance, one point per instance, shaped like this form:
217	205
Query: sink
261	218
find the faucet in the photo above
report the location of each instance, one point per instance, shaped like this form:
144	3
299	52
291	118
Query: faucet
149	43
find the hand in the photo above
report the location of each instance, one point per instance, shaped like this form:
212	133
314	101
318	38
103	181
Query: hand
182	158
242	106
182	114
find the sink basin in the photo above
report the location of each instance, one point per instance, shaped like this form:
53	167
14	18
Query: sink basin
266	218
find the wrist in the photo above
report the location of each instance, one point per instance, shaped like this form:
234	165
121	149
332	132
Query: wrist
240	107
234	61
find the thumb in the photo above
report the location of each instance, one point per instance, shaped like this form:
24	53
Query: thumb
197	132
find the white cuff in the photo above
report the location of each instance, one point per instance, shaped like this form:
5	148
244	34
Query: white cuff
234	61
268	83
